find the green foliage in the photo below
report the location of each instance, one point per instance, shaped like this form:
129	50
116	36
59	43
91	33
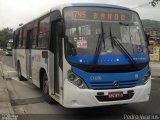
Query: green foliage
154	2
5	35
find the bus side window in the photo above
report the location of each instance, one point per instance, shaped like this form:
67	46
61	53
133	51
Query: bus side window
23	42
16	40
19	42
35	31
43	35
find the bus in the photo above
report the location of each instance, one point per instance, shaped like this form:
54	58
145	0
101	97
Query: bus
85	55
9	47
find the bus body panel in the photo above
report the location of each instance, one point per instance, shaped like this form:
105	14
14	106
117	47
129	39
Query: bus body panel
70	95
21	57
74	97
37	63
106	80
87	97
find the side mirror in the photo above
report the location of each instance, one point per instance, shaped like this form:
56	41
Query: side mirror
60	29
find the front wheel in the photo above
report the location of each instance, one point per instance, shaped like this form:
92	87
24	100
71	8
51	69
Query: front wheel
45	89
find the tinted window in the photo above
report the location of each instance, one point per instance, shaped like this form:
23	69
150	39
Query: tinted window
20	41
24	37
16	39
35	30
43	33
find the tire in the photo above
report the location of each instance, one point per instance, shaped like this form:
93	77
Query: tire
21	78
45	90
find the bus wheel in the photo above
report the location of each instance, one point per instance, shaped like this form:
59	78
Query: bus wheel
19	72
45	89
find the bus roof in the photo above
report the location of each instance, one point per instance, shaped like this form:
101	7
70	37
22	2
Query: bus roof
98	5
60	7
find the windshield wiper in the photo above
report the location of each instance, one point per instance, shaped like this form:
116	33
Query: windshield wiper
99	45
116	42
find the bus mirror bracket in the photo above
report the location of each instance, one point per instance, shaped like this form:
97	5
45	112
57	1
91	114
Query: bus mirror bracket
60	29
147	38
56	17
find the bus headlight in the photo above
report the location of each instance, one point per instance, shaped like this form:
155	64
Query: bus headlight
146	78
71	77
76	80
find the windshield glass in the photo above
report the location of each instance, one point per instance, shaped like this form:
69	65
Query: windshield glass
84	27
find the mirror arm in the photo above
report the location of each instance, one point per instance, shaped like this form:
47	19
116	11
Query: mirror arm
147	39
60	28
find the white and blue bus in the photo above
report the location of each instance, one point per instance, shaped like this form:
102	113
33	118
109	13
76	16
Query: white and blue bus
85	55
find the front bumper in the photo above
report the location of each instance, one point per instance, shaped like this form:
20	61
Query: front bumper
75	97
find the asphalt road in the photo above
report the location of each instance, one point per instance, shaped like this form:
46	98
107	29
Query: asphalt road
27	99
6	59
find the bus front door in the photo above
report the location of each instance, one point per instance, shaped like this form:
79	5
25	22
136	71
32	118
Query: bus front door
54	66
55	58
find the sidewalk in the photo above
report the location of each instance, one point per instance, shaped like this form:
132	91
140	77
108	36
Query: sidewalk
5	105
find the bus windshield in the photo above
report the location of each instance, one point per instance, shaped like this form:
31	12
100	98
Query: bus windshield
84	29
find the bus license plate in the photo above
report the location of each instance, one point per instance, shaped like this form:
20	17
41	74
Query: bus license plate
115	95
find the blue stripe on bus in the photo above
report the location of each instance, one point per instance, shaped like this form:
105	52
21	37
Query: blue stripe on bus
108	59
106	80
98	5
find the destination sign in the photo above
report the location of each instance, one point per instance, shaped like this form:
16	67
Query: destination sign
98	15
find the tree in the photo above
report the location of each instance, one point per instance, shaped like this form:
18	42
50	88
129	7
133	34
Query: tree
5	35
154	2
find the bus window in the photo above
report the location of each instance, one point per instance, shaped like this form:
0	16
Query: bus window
16	39
24	37
29	38
20	39
43	33
35	30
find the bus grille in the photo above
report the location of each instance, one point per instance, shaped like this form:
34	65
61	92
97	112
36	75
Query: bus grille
110	85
